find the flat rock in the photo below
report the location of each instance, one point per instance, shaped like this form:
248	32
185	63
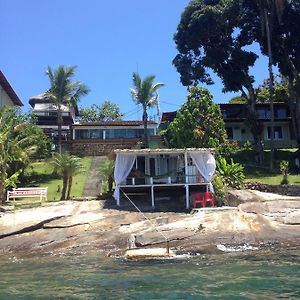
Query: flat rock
146	253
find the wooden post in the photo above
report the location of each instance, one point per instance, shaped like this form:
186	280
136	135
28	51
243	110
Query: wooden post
152	196
187	197
186	167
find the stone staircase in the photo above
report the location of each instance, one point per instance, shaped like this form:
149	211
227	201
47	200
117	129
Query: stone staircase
93	183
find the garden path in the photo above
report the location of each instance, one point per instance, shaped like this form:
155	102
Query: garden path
93	183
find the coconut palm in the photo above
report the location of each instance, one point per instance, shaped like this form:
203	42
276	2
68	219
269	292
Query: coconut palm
145	94
63	91
67	166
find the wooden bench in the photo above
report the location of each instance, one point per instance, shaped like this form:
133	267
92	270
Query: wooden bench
34	192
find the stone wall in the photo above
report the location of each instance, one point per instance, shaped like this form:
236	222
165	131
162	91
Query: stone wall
289	190
100	147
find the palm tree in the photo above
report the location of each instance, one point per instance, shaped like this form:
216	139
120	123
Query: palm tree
145	94
67	166
17	143
63	91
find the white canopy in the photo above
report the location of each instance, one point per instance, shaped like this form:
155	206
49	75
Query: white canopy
123	166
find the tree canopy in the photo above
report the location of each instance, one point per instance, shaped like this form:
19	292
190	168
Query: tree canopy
198	123
104	112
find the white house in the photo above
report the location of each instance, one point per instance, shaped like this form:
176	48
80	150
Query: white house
8	97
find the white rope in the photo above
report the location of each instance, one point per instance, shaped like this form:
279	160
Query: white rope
164	236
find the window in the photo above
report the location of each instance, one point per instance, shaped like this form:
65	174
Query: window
229	131
277	132
264	113
280	113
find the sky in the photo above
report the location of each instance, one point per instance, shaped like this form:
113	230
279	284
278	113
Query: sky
106	40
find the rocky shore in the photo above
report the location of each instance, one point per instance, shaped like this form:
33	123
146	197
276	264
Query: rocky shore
259	220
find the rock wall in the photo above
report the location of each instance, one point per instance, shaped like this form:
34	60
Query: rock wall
100	147
289	190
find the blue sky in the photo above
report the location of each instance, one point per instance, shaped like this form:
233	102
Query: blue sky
107	40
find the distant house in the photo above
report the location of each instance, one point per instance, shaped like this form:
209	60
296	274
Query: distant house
234	116
7	94
98	138
46	113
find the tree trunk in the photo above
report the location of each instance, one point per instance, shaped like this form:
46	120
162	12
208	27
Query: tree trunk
145	120
2	192
110	183
64	188
59	125
294	107
271	88
69	187
255	127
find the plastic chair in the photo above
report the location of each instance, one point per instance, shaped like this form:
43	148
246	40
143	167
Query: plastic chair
203	199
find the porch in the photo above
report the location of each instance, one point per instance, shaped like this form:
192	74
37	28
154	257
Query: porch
156	174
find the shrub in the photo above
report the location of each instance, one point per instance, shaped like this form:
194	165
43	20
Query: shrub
284	169
232	174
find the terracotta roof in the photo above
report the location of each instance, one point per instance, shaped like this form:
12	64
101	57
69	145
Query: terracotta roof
168	116
9	90
113	123
163	150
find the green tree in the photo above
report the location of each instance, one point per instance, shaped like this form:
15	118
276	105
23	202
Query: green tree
208	41
283	17
104	112
198	123
144	93
19	141
67	166
63	91
238	100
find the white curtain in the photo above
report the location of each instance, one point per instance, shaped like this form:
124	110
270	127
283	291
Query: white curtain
123	166
206	165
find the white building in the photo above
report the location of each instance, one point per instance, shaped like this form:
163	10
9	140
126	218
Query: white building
8	97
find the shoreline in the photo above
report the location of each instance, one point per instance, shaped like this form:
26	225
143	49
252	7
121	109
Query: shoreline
86	227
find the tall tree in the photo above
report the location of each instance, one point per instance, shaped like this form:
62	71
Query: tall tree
64	91
104	112
144	93
19	141
198	123
207	41
284	16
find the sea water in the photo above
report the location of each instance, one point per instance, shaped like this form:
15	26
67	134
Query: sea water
232	275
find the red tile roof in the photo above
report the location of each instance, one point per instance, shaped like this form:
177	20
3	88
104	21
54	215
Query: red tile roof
113	123
9	90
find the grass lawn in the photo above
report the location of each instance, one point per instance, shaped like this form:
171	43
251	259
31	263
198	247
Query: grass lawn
261	173
40	174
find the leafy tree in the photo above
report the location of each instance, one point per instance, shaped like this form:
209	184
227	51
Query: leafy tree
104	112
284	34
145	94
67	166
198	123
208	41
238	100
63	91
19	141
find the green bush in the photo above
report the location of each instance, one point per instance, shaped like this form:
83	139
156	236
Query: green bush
232	174
284	169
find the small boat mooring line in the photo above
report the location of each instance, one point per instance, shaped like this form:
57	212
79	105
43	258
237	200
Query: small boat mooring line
156	251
